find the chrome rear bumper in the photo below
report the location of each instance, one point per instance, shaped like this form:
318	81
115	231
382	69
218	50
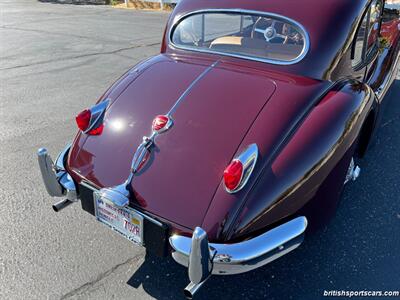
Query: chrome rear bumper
57	181
204	259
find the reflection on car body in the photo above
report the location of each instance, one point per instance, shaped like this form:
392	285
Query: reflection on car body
242	132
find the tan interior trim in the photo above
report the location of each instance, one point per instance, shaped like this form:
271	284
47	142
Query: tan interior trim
227	40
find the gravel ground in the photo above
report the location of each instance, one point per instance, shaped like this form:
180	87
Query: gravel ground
57	59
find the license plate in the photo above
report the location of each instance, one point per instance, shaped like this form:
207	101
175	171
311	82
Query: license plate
125	221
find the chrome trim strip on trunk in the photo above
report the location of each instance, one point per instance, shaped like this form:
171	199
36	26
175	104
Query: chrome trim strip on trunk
188	90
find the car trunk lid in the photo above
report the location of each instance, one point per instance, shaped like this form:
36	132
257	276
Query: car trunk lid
179	181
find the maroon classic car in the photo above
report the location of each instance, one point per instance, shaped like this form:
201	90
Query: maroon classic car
227	146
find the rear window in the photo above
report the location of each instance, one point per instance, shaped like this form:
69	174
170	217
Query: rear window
256	36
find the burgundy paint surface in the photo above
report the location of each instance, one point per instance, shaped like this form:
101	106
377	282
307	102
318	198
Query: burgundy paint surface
128	119
293	97
293	178
305	129
209	124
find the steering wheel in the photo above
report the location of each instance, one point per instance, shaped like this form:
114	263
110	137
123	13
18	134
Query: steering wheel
270	32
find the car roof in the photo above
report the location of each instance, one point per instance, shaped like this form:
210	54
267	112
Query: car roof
328	24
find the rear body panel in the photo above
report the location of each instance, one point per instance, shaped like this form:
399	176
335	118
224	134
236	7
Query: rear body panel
322	143
237	103
230	108
186	166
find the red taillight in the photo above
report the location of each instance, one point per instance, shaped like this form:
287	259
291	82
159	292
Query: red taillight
238	173
97	131
233	175
83	119
159	122
91	121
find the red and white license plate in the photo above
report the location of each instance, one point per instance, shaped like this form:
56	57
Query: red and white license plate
125	221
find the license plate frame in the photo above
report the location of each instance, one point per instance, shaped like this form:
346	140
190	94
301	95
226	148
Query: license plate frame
124	220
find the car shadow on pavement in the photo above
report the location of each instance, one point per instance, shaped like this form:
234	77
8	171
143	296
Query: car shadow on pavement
160	277
356	251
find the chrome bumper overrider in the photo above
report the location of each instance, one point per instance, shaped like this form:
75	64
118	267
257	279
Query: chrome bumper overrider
204	259
57	181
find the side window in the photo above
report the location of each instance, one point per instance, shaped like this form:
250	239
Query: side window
368	33
358	47
374	23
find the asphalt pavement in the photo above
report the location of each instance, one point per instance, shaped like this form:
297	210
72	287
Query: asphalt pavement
56	60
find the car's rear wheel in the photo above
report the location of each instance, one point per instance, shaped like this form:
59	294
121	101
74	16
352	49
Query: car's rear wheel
322	208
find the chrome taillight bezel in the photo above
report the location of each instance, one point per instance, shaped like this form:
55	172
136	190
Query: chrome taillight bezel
248	158
97	113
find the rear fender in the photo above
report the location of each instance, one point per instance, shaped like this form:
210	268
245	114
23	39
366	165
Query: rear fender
303	164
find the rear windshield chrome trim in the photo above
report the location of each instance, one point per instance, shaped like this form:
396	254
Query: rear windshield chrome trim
249	12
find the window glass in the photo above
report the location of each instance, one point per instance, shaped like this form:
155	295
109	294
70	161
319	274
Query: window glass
374	22
369	32
359	42
264	37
